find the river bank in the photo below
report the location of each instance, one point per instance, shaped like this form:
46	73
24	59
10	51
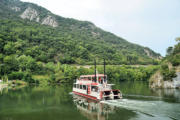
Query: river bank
12	84
3	85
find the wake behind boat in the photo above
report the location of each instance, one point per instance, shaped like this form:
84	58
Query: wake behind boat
95	87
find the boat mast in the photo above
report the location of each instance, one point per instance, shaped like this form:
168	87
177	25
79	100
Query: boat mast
95	69
104	69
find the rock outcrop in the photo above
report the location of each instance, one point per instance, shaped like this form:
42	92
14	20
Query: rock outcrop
33	15
49	20
176	80
30	14
149	54
156	81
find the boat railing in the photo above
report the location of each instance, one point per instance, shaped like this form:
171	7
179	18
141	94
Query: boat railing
105	87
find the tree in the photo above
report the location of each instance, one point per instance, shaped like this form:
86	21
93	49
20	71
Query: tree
2	42
10	63
27	63
169	50
9	48
59	76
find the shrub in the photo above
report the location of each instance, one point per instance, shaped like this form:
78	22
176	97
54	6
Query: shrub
175	60
16	76
167	73
25	76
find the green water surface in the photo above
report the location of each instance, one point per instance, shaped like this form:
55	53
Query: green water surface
55	102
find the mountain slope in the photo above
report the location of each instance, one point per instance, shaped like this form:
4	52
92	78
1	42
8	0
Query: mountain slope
34	31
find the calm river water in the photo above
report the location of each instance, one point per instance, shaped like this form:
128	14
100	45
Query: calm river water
57	103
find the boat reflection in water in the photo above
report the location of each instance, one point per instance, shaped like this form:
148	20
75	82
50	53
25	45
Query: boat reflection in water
93	110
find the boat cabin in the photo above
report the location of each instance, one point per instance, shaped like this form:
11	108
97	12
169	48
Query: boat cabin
100	78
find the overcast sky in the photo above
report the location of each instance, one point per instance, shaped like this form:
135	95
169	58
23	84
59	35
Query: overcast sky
151	23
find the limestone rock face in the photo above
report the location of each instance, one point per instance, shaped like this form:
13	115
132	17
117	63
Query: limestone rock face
49	20
168	84
157	81
176	80
33	15
148	53
37	19
30	14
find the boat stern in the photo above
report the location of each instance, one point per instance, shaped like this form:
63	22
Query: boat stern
111	95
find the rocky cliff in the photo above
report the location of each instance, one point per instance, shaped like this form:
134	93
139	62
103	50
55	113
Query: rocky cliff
33	15
30	14
51	21
150	54
157	80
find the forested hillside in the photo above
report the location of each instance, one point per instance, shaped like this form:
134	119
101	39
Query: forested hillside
32	38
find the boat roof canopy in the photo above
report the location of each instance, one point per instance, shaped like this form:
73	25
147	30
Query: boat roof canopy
99	75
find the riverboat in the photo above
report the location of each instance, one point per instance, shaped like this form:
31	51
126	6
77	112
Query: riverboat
96	87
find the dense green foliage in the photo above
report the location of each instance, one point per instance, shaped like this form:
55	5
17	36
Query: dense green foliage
173	54
58	73
167	73
46	44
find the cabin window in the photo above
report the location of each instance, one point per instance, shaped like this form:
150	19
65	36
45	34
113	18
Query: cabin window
77	86
89	78
80	86
94	88
74	85
84	87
